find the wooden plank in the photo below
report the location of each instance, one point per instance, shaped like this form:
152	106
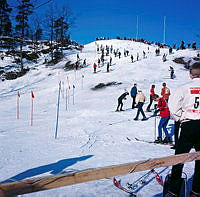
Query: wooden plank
50	182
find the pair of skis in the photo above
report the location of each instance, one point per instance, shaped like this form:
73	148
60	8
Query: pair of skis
146	141
130	187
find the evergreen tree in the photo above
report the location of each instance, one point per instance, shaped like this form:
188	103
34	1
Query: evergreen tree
25	9
61	28
5	22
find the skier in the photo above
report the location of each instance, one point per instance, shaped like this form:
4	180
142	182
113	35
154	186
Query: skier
165	116
170	50
144	54
78	58
140	99
132	58
165	92
127	52
194	45
111	49
184	107
152	93
124	52
137	56
110	60
108	65
120	99
119	54
171	69
99	61
95	67
77	65
164	58
84	62
133	94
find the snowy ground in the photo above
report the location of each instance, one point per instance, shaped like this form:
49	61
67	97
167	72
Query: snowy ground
90	133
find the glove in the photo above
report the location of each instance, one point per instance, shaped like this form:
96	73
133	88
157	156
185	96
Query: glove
156	111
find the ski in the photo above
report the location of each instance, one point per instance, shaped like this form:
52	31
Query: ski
119	186
146	141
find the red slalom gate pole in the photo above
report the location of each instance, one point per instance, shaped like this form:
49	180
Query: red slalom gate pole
18	96
32	96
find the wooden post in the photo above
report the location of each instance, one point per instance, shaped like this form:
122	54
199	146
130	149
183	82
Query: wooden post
50	182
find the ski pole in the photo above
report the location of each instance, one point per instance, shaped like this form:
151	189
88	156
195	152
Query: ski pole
73	94
66	99
58	104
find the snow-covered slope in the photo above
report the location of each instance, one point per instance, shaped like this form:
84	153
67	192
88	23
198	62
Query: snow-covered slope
90	133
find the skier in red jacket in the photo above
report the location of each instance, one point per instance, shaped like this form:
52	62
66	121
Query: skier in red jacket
165	116
95	67
152	93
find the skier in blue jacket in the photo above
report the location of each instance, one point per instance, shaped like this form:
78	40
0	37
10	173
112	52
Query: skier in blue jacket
133	94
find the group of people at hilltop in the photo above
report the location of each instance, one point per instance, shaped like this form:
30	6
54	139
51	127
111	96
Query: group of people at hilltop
184	108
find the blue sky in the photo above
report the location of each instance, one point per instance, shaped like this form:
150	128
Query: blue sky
110	18
119	17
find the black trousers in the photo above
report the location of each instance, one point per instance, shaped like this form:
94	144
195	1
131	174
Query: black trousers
176	131
120	104
189	138
133	103
151	101
140	105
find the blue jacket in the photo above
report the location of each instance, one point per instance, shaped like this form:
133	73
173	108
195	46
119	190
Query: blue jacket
133	91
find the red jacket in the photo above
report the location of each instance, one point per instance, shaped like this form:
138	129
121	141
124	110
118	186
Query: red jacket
164	109
165	92
152	93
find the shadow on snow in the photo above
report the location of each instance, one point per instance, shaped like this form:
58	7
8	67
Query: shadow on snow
53	168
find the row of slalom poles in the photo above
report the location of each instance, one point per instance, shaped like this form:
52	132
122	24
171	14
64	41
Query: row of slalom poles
18	107
66	91
61	89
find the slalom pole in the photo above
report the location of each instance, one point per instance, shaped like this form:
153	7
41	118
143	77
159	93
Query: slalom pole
155	128
66	99
32	96
63	91
82	82
58	105
155	122
75	74
73	94
69	89
18	96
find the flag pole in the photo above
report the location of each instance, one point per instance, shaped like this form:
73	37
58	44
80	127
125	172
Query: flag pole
58	105
32	96
18	95
164	30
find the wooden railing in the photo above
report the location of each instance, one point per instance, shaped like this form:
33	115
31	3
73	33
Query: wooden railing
50	182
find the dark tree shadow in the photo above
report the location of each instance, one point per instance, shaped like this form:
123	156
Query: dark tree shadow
53	168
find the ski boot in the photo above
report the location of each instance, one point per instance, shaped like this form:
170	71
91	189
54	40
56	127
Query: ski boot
158	140
166	140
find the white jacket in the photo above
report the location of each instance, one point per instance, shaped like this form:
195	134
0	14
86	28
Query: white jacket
184	104
140	98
